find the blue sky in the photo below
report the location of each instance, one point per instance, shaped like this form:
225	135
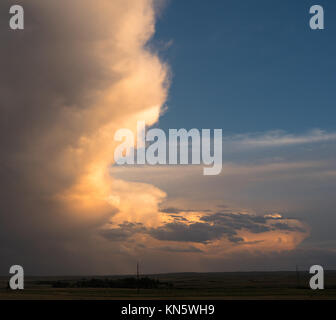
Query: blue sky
249	66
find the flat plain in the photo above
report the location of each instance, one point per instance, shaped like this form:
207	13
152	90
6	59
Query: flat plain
283	285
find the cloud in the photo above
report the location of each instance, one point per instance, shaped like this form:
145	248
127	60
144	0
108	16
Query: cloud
277	138
206	231
270	190
189	249
123	232
195	232
172	210
78	72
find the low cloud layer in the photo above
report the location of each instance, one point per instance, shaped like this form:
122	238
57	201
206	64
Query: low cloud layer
206	232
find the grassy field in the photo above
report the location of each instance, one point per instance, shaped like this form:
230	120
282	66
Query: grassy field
246	285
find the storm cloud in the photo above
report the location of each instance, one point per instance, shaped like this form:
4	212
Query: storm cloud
79	71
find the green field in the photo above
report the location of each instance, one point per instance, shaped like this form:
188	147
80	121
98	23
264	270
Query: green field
245	285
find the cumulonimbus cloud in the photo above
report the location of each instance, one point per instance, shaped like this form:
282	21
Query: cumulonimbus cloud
78	72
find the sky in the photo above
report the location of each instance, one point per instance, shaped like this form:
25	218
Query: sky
248	66
255	70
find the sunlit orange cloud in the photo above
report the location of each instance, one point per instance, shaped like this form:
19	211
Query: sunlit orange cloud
287	238
138	92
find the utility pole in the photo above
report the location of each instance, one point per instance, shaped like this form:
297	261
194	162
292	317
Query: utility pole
138	270
138	277
297	276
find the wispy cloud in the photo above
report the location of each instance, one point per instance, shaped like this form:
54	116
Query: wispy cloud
278	138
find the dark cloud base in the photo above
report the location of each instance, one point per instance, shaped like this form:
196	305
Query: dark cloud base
212	227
